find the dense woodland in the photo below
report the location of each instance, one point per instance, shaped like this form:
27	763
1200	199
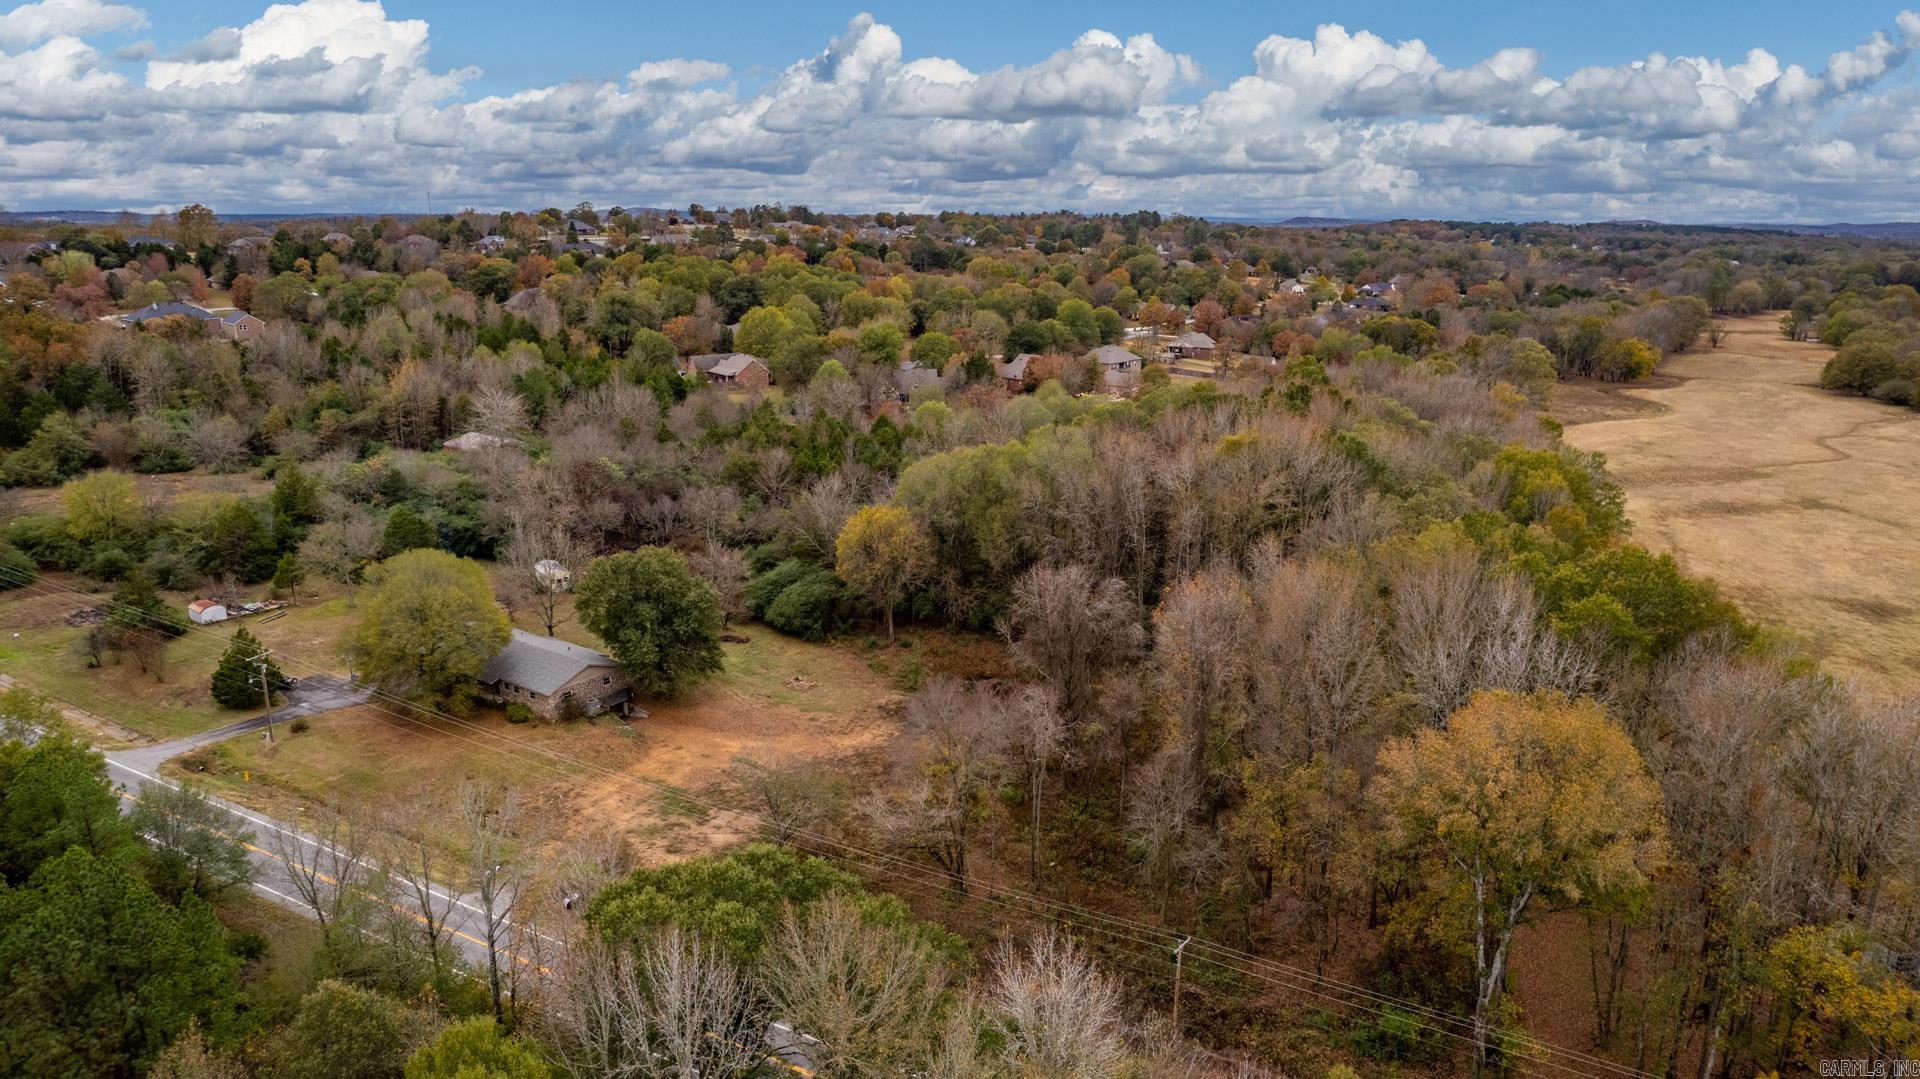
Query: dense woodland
1339	657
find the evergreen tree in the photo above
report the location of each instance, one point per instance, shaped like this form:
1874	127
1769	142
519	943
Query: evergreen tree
236	681
239	542
405	531
137	605
288	575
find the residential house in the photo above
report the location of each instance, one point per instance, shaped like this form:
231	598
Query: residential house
337	238
1375	288
1192	345
1119	369
230	323
1371	304
248	243
731	368
1013	373
555	678
912	374
491	245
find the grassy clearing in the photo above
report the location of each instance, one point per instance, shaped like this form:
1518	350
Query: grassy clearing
39	652
1803	504
803	700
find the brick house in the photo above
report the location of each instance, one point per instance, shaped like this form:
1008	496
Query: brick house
1192	345
732	369
549	676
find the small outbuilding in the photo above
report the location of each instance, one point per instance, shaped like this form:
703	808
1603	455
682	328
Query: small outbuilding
553	576
203	612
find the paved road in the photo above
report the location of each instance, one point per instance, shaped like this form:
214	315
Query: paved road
133	770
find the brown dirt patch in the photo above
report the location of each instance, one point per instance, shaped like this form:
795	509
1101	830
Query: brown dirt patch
1803	504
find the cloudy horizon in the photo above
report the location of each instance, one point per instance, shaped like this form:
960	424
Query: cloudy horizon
339	105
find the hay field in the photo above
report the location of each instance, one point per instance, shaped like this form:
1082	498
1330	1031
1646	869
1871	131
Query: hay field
1804	505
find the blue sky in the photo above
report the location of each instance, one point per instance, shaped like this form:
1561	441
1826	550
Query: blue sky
1711	112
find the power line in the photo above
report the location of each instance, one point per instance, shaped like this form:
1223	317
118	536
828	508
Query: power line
1271	971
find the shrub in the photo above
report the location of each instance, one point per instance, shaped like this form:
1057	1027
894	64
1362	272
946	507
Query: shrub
110	564
301	725
810	607
765	588
16	569
1898	391
45	539
519	713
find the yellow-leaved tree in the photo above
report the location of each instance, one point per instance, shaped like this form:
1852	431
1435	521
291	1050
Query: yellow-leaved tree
882	553
1515	802
428	627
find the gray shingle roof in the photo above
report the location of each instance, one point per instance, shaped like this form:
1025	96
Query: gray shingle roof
541	664
734	364
1193	339
1113	356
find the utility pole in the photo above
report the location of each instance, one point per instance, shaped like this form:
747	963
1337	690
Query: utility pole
266	690
1179	952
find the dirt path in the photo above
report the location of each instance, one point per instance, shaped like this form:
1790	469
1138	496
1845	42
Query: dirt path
1804	505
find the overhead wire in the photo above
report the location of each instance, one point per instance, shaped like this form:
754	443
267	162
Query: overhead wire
1159	938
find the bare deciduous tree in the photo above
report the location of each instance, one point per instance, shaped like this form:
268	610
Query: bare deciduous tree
1069	625
790	793
328	867
1059	1013
493	818
947	759
866	993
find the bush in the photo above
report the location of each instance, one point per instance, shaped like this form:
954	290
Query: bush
765	588
1898	391
16	569
45	539
810	607
519	713
301	725
110	564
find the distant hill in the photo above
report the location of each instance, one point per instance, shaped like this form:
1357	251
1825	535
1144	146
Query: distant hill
1884	230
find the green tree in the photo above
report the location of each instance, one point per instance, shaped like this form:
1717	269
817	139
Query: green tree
344	1032
102	508
54	795
58	450
137	606
239	541
767	332
287	575
427	627
195	846
237	679
1519	799
477	1049
100	972
733	901
933	349
882	552
405	531
659	619
880	343
17	570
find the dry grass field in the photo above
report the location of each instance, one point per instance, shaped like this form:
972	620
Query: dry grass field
1804	505
801	700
